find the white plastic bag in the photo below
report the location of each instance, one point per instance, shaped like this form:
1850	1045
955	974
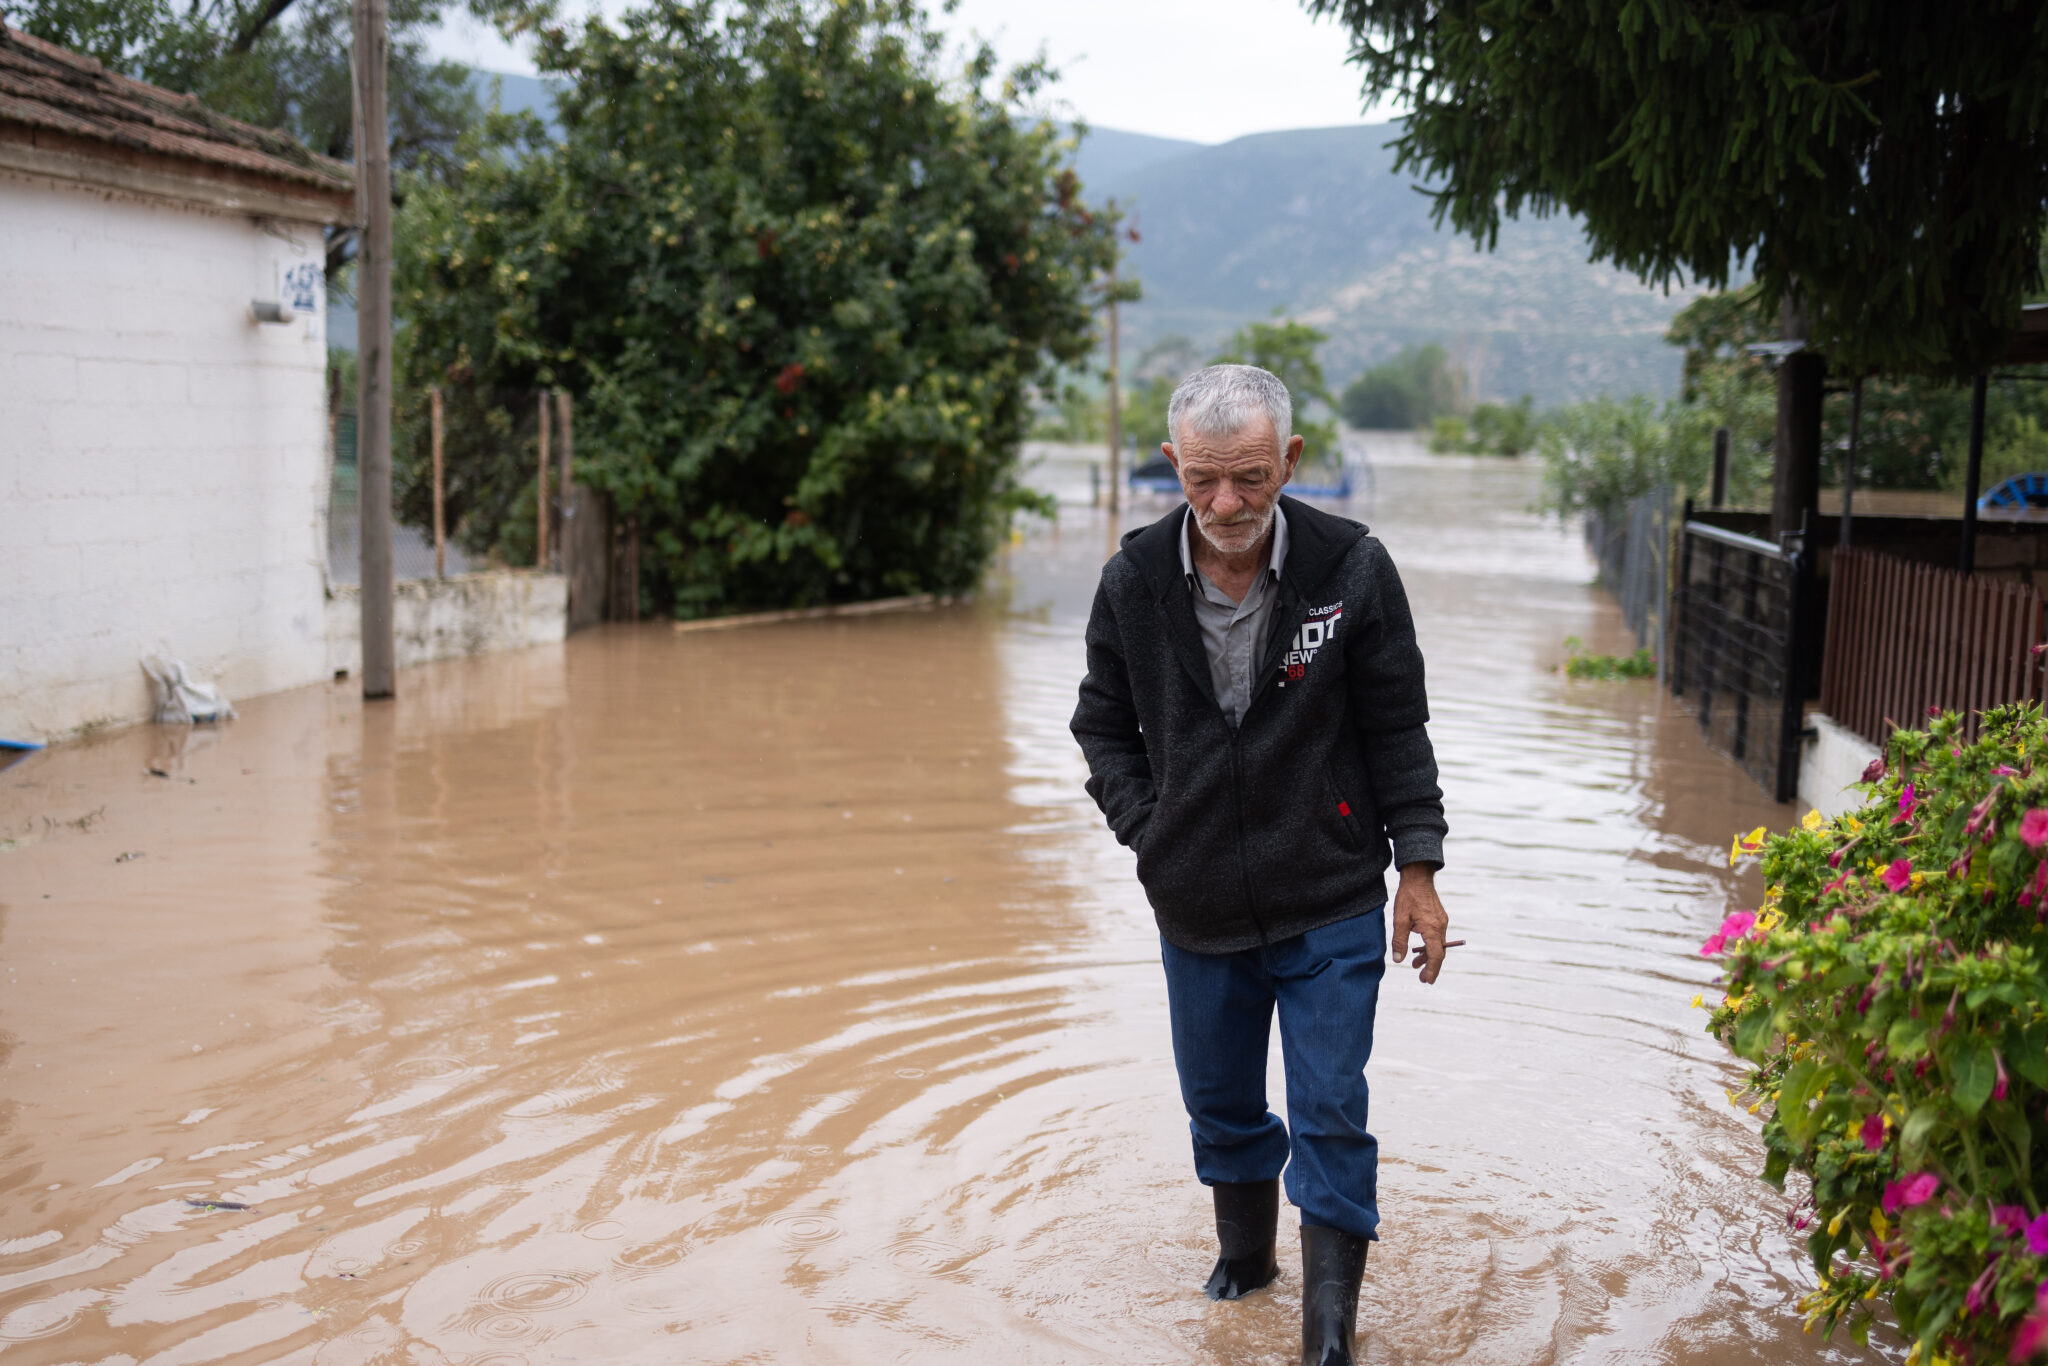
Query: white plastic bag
179	700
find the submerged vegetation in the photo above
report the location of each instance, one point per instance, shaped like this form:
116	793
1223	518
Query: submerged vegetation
1579	664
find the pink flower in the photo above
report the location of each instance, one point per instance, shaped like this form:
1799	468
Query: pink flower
2011	1218
2034	828
1875	770
1898	875
1873	1132
2037	1236
1736	926
1838	884
1907	801
1918	1189
2026	1339
2004	1082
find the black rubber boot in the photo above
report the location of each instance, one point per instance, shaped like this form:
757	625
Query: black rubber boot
1332	1265
1247	1222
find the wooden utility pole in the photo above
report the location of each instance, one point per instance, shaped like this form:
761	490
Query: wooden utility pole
1116	409
373	345
440	494
542	495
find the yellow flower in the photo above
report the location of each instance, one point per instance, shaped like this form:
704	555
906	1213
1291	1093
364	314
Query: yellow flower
1699	1000
1880	1225
1835	1224
1813	820
1855	826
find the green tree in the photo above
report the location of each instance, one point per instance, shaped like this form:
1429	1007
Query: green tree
800	278
1502	428
1288	349
281	64
1883	165
1413	389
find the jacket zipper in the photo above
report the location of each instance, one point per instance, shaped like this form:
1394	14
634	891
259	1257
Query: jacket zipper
1244	867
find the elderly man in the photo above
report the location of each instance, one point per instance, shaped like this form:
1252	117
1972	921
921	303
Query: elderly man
1254	723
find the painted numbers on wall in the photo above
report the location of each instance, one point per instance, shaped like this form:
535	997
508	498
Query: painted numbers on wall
302	285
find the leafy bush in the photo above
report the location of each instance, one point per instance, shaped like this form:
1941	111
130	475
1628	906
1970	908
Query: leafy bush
1502	428
1892	998
800	276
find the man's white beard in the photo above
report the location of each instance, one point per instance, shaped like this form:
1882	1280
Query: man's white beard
1263	525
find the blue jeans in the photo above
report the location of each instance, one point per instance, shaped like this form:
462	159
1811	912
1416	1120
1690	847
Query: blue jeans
1327	985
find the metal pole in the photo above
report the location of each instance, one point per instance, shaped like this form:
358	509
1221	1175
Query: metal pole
1973	476
440	494
540	492
373	346
568	478
1116	415
1849	464
1718	495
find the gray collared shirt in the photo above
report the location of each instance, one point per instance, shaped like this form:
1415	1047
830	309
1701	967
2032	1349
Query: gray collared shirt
1233	631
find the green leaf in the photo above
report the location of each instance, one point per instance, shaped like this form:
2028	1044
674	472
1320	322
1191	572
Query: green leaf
1753	1034
1801	1080
1776	1163
1921	1124
1907	1039
2029	1055
1971	1064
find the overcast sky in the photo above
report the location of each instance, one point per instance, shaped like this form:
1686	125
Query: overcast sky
1204	70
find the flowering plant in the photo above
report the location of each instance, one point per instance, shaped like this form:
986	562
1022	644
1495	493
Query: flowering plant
1892	998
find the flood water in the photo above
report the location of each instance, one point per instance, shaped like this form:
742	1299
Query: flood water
775	994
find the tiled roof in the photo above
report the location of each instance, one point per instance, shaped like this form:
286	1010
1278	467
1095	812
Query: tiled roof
45	87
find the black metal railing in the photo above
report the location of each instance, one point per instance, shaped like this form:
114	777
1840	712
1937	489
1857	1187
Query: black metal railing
1739	609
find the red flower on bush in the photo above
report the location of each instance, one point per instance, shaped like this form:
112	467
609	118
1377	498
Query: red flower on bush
792	374
2034	828
1873	1132
1899	876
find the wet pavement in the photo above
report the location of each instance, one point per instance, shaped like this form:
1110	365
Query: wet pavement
775	994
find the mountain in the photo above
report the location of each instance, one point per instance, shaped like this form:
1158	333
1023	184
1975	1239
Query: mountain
1316	224
517	94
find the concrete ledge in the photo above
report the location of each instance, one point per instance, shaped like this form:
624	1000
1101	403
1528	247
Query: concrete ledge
1832	759
468	614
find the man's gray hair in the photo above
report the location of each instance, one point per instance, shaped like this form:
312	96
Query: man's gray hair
1222	400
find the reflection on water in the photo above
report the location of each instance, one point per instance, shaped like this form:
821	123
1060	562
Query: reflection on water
776	995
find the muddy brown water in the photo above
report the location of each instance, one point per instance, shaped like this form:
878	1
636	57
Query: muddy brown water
775	994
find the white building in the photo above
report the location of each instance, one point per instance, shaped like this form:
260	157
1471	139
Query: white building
163	449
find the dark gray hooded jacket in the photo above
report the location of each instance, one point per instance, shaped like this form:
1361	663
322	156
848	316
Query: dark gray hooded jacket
1288	822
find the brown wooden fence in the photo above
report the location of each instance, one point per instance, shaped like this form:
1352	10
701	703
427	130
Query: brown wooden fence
1904	637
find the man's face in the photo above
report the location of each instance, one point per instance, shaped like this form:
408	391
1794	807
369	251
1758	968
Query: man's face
1233	482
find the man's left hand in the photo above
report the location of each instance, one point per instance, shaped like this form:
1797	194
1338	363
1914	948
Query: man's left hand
1417	908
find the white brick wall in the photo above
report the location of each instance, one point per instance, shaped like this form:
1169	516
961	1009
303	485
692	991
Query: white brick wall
162	457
